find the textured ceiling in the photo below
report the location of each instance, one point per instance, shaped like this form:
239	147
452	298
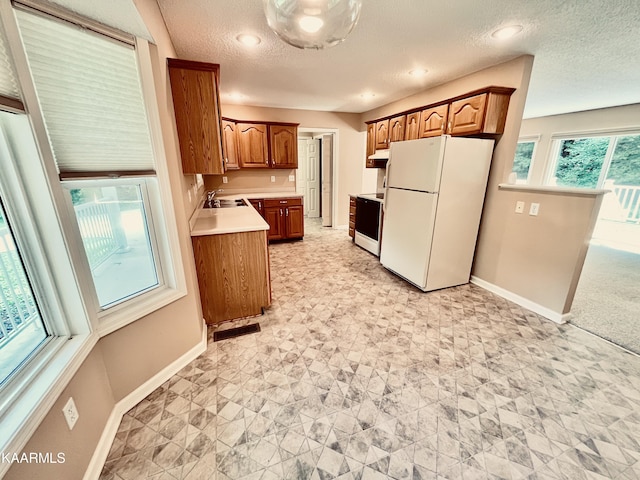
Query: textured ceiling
587	52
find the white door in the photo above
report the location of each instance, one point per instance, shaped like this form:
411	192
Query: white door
312	199
301	173
327	175
407	232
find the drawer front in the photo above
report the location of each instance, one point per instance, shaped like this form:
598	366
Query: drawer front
282	202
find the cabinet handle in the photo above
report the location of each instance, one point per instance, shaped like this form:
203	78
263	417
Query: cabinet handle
259	204
287	210
449	127
280	212
283	201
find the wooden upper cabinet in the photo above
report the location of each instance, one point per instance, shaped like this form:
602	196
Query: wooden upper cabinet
484	113
371	143
194	87
412	127
230	145
433	121
382	134
253	150
396	128
283	141
467	115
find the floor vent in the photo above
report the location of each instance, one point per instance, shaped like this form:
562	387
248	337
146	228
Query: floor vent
236	332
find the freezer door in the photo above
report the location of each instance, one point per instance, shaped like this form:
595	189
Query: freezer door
407	231
416	164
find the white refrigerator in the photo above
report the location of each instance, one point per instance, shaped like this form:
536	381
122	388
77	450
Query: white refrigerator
432	208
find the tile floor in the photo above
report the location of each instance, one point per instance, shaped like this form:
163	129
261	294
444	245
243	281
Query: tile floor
357	375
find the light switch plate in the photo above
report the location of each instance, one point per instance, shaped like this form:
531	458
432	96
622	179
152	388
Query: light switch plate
225	180
519	207
273	178
534	209
292	178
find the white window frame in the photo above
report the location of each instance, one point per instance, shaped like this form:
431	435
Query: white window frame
160	199
558	138
29	395
41	206
535	139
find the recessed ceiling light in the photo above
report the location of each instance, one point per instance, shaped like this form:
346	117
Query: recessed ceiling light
418	72
367	95
235	96
248	39
507	32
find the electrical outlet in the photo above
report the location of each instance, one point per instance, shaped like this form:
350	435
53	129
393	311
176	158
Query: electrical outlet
273	179
519	207
534	209
292	178
70	413
225	180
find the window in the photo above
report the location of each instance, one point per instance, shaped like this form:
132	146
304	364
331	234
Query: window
523	160
590	161
89	90
22	329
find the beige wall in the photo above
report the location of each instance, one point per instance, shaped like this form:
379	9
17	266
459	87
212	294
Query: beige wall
615	118
92	395
350	145
125	359
537	257
252	180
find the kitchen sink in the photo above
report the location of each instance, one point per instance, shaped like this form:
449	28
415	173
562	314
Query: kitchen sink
225	203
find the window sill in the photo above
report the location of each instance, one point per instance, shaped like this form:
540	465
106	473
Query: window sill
136	308
52	370
553	190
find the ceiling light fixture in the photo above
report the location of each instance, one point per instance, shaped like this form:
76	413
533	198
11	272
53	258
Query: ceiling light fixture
507	32
367	95
313	24
248	39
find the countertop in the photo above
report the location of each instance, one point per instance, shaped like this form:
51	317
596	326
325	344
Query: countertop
216	221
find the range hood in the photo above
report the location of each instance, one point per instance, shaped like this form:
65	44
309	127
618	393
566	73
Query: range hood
380	155
379	158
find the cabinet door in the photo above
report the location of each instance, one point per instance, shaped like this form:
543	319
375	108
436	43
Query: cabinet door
412	128
371	143
252	145
466	116
433	121
194	88
258	204
294	218
396	128
382	134
229	145
284	146
275	218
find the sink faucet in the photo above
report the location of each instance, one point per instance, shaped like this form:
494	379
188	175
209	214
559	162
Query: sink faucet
211	194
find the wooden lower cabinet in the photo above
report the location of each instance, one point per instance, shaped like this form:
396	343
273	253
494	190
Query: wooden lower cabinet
285	217
233	274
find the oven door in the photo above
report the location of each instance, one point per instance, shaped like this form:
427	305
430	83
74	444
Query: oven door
368	224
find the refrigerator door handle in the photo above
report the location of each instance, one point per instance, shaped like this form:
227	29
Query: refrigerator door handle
386	187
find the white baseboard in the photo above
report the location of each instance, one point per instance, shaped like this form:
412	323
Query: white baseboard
127	403
523	302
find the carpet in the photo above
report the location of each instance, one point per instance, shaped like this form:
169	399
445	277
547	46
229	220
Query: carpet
607	301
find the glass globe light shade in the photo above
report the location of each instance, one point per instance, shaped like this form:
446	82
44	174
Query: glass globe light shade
312	24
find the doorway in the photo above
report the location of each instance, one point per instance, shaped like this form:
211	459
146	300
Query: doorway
315	177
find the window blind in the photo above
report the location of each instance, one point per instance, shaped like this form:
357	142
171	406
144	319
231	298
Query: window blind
8	82
90	95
